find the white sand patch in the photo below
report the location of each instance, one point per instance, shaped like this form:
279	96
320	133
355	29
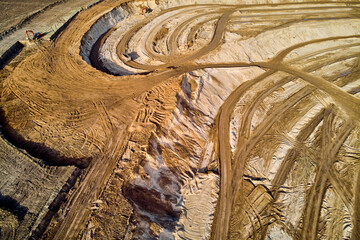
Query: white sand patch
199	200
284	147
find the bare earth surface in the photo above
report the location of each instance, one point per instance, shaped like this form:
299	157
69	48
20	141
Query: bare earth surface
45	17
230	121
13	12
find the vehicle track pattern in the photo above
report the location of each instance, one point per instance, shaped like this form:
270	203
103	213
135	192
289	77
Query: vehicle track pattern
295	104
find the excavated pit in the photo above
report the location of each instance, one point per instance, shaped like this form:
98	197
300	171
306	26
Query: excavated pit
229	121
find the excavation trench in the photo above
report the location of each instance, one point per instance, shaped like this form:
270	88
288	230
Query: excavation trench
93	39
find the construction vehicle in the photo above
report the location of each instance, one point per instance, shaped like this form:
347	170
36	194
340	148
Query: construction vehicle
36	35
126	57
146	10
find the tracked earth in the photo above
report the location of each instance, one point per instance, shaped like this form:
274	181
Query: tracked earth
184	120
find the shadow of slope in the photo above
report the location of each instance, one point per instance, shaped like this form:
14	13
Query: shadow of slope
39	150
13	206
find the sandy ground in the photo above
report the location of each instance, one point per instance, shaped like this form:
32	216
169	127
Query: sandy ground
13	12
46	22
229	121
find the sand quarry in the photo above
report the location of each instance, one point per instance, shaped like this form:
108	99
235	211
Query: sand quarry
231	120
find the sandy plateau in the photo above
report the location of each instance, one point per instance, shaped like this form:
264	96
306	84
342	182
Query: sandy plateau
231	120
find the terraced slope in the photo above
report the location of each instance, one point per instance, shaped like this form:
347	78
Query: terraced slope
229	121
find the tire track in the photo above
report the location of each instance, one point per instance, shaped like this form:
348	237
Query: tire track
329	149
73	79
223	211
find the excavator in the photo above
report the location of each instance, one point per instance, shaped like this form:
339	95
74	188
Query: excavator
36	35
146	10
